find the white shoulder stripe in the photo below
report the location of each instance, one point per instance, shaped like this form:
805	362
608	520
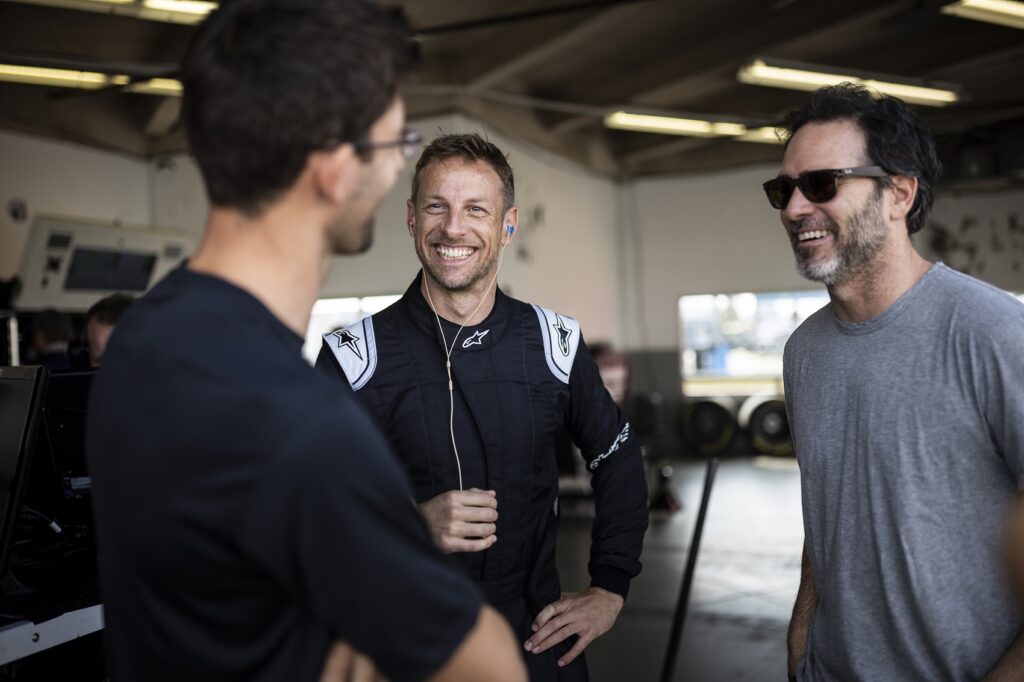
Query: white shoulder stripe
561	339
355	349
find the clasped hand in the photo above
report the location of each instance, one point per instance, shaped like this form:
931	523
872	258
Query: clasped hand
462	520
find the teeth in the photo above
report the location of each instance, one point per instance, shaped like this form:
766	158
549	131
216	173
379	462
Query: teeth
812	234
454	252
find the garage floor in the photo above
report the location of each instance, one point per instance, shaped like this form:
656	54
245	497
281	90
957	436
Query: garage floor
746	579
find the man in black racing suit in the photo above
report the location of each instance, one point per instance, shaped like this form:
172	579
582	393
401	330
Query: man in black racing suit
471	387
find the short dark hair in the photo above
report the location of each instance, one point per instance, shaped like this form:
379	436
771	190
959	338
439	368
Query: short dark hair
896	139
469	147
109	309
267	82
53	325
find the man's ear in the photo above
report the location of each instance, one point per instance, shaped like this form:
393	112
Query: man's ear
511	220
903	190
410	216
334	172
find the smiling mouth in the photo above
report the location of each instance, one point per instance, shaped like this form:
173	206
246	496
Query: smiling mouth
453	253
811	235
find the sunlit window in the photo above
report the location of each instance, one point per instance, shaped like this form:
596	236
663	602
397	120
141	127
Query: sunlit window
333	313
732	343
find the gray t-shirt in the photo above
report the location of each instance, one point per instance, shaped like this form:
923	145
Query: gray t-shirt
909	431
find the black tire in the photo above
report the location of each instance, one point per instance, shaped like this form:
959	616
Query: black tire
769	429
707	426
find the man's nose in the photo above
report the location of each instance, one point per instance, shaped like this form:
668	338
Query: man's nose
454	223
797	207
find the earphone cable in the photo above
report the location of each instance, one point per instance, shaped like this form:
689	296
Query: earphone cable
448	354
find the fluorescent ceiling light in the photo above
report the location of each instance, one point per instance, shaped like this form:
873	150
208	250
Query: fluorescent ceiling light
87	80
199	9
170	11
764	135
671	125
157	86
1004	12
67	78
800	77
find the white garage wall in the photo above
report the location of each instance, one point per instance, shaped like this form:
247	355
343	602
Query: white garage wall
178	197
64	179
981	234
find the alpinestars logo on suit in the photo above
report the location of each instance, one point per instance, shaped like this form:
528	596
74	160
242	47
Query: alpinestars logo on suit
348	340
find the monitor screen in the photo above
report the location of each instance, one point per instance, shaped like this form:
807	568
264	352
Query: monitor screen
109	270
21	397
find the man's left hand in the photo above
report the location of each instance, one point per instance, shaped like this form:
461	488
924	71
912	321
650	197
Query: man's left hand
589	614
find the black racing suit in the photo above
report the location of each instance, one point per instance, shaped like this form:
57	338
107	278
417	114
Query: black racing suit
519	377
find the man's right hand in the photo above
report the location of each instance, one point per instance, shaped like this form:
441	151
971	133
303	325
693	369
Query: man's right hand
462	520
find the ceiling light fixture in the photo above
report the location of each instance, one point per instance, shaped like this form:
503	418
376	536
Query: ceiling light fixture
68	78
86	80
692	127
671	125
1003	12
168	11
186	7
795	76
764	135
157	86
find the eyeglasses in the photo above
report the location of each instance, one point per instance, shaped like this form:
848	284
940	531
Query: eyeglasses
817	186
408	144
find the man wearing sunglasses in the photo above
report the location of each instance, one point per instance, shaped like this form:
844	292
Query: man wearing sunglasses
906	405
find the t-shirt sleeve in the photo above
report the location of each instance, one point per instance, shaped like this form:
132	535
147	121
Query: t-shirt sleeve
787	385
1003	388
335	522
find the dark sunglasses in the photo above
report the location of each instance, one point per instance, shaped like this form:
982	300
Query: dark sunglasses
817	186
409	144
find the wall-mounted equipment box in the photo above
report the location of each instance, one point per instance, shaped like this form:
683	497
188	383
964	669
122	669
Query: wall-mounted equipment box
69	263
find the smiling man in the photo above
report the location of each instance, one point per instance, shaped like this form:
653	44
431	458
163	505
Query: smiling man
905	402
471	387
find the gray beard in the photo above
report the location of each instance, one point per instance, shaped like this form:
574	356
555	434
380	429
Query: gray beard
853	251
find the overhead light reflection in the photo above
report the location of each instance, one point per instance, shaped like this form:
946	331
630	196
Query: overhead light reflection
790	75
86	80
1002	12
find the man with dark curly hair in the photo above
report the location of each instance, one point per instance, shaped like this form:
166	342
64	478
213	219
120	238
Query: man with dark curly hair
905	403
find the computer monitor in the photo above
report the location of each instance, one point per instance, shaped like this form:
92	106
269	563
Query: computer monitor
21	402
60	485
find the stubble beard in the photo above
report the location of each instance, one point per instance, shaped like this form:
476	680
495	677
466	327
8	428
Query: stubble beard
448	281
853	250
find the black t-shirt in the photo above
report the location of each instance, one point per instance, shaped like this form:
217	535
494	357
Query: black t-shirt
248	513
